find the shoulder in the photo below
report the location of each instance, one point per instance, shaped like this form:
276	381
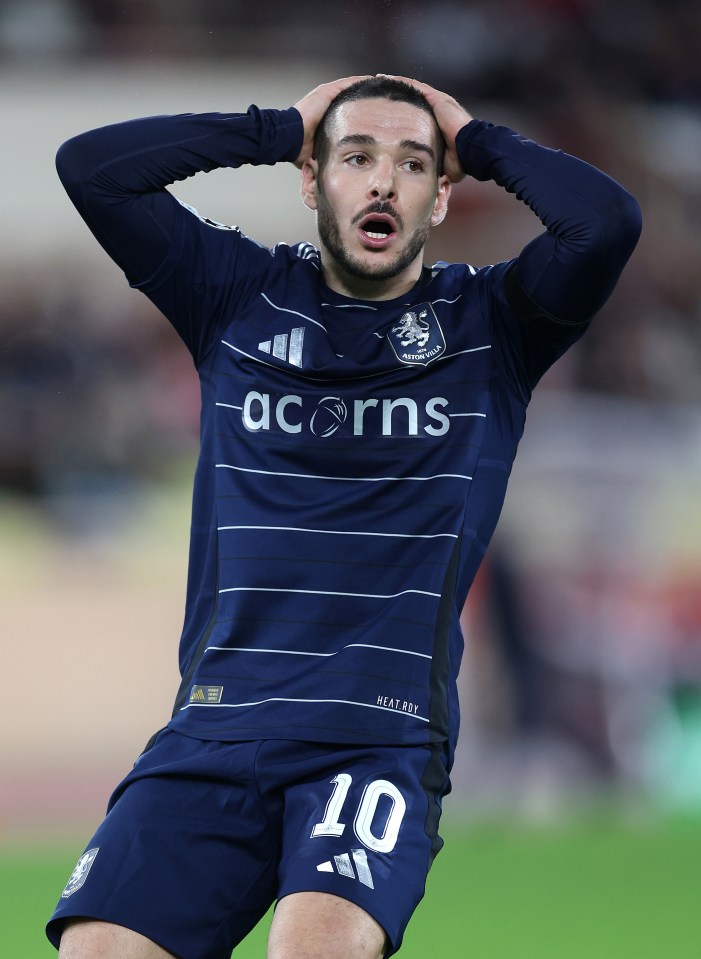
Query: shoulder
303	254
485	283
230	252
444	271
460	286
215	229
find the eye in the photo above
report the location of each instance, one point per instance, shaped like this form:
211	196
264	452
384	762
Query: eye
357	159
413	166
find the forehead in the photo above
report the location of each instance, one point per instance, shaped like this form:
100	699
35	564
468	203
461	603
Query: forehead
387	121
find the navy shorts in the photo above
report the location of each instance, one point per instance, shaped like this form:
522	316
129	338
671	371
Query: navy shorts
202	837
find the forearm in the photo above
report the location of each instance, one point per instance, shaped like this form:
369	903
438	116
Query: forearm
144	155
117	175
592	223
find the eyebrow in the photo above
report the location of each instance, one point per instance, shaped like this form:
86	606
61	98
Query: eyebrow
365	139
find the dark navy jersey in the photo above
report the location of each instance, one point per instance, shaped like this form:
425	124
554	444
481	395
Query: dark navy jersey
354	454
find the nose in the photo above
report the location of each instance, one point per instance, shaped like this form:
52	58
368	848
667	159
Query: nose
382	185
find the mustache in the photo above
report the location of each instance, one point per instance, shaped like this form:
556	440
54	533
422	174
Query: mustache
379	206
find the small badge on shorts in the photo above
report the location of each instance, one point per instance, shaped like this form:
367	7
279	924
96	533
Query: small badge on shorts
80	873
206	694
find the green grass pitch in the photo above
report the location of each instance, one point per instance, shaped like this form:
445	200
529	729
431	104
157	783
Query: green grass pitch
601	889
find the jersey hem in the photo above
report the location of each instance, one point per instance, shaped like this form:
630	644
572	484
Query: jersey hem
225	733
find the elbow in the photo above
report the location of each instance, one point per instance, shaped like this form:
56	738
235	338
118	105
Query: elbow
65	161
71	165
624	222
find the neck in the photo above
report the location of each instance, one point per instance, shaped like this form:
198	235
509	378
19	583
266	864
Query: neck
367	287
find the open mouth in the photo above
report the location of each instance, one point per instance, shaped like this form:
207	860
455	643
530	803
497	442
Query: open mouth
377	229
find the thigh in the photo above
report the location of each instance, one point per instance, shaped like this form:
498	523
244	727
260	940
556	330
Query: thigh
365	829
86	938
187	854
317	925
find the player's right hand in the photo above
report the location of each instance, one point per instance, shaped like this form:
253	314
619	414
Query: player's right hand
314	105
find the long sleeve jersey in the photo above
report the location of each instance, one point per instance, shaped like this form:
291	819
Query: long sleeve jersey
354	454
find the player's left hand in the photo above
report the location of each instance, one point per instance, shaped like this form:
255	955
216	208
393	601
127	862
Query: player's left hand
451	118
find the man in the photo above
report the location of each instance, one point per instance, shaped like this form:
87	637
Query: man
361	412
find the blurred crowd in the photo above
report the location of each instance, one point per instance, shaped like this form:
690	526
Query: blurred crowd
526	51
97	395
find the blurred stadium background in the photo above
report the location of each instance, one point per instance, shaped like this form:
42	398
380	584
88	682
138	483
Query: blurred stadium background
581	685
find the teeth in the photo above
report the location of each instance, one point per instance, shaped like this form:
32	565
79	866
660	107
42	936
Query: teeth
376	236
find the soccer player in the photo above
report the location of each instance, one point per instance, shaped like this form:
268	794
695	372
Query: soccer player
360	416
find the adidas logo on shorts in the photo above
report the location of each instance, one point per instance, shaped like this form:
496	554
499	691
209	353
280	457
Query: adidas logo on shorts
344	866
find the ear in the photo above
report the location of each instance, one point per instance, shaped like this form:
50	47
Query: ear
310	174
440	207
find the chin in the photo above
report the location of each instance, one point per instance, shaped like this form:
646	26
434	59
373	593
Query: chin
375	266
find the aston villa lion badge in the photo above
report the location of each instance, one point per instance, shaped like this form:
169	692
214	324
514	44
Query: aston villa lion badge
80	873
417	338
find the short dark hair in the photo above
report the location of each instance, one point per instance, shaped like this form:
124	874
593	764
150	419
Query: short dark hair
385	88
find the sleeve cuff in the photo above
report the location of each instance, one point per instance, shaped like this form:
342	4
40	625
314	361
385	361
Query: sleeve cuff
474	150
282	134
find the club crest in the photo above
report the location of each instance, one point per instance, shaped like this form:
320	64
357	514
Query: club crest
80	873
417	338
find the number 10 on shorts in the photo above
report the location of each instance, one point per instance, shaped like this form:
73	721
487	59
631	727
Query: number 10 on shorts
363	823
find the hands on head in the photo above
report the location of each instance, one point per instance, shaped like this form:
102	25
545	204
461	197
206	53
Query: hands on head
450	116
314	105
